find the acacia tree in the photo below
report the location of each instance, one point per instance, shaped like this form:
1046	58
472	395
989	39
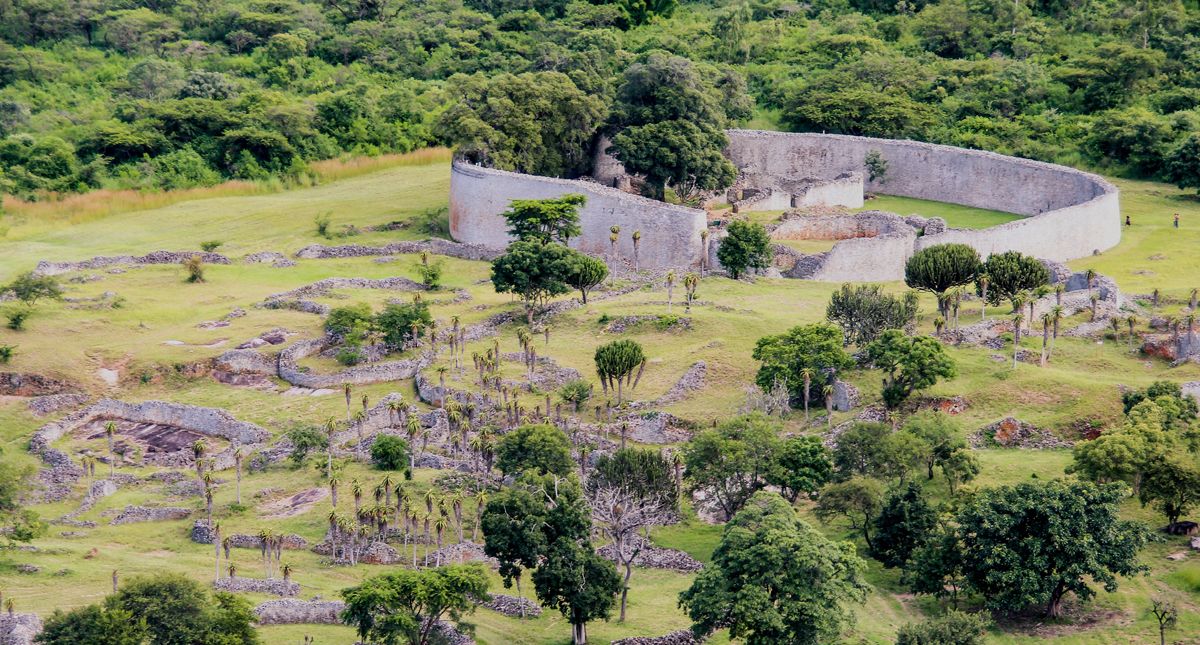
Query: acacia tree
939	268
616	363
410	604
1172	484
858	500
865	311
796	587
586	272
796	356
800	465
533	271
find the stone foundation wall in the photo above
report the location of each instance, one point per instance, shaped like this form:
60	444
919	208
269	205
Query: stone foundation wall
290	371
276	587
46	267
300	612
670	234
26	384
845	190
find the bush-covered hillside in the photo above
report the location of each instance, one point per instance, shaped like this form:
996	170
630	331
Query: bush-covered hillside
164	94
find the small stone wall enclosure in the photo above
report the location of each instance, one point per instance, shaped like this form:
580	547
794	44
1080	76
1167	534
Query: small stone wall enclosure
1068	213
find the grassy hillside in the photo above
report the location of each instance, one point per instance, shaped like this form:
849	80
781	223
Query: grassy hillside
157	306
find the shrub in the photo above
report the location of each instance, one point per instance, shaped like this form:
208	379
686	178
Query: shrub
322	222
746	247
954	628
210	245
396	321
389	452
6	353
305	438
576	393
16	319
29	288
430	272
195	269
342	320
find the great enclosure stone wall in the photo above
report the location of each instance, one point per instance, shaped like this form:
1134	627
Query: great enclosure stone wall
1067	213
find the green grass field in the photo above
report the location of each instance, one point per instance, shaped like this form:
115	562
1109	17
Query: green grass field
1082	382
956	216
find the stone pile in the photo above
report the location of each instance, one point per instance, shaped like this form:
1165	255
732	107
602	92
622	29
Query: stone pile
276	260
45	267
622	324
19	629
692	380
654	557
27	384
681	637
466	551
132	514
274	586
290	611
51	403
1014	433
436	246
299	298
512	606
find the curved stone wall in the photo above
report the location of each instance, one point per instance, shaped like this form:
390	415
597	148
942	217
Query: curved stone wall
670	234
1069	213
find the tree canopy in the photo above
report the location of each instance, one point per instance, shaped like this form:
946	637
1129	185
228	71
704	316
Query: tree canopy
407	605
941	267
747	246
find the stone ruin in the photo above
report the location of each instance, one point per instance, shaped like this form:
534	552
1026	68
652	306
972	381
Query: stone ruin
202	533
19	629
681	637
132	514
654	557
1014	433
512	606
273	586
45	267
290	611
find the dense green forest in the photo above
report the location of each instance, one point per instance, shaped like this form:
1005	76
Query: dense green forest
162	94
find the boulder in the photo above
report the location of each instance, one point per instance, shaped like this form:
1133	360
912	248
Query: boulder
845	396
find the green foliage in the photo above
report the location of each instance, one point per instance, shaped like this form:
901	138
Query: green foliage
941	444
616	363
1012	273
545	220
17	318
909	363
747	246
533	271
904	523
941	267
305	439
6	353
322	222
389	452
1168	397
876	165
801	465
815	349
640	12
396	323
194	266
92	624
342	320
871	449
645	475
858	500
586	272
865	311
178	611
1032	543
17	523
210	245
407	605
730	462
430	272
1172	485
675	153
1183	164
30	288
540	448
951	628
775	579
576	393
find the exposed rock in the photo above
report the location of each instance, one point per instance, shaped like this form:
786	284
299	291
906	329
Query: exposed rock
622	324
1195	543
947	405
132	514
845	396
19	629
934	226
244	361
300	612
28	568
654	557
25	384
1178	556
436	246
1013	433
275	586
290	371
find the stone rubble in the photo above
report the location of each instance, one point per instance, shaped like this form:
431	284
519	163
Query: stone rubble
681	637
512	606
46	267
132	514
290	611
655	557
274	586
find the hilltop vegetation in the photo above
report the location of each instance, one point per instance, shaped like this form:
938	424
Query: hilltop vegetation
175	94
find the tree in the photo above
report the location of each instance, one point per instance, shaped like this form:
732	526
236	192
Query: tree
864	312
940	434
512	532
1169	397
408	605
858	499
1166	615
941	267
403	323
775	579
802	465
1183	164
629	492
904	523
533	271
677	153
585	272
1012	273
30	288
795	356
541	448
577	582
909	363
616	363
951	628
747	246
1035	542
871	449
177	611
92	624
730	462
389	452
17	522
545	220
1171	484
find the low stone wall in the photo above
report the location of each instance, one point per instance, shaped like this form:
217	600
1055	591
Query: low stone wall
27	384
323	287
436	246
290	371
46	267
300	612
276	587
681	637
670	234
512	606
655	557
845	190
45	405
134	514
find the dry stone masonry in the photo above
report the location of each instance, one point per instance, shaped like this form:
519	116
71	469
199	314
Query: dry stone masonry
46	267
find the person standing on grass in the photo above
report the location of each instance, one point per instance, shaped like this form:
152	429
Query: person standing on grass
1176	220
1127	222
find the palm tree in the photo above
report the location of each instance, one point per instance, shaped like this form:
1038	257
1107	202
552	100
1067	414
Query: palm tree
481	500
286	570
412	427
1059	290
110	429
237	464
827	392
1192	298
357	489
366	400
1116	327
1095	298
198	452
637	241
690	282
439	529
331	425
441	372
1046	321
677	466
984	281
1190	319
624	433
938	323
1090	276
208	496
807	374
387	489
217	551
1017	320
348	390
334	482
613	232
670	288
395	409
359	420
1131	321
232	569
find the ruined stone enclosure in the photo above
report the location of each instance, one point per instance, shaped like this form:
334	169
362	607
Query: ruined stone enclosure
1066	213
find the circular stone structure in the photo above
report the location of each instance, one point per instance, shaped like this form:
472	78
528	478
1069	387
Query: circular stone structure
1066	213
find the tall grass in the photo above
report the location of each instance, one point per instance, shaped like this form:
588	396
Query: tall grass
59	209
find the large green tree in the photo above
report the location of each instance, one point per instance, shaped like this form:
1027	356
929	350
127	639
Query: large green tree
747	246
675	153
801	465
545	220
406	606
586	272
92	624
775	579
619	364
909	363
905	521
865	311
541	448
730	463
178	611
533	271
815	350
1012	273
